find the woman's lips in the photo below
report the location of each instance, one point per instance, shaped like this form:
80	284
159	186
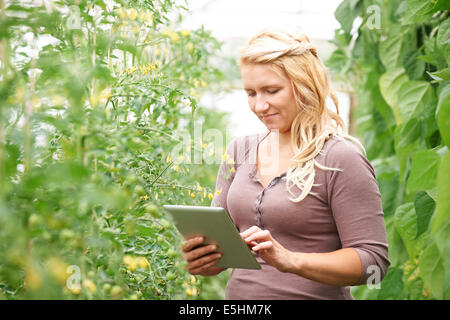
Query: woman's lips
269	116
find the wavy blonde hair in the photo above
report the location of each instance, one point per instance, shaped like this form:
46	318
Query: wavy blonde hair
294	54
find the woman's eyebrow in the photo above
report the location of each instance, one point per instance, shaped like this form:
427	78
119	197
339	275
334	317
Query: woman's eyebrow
263	87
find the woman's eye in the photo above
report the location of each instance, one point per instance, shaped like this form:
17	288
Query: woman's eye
250	94
273	92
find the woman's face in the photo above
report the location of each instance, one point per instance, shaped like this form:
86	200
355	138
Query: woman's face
270	96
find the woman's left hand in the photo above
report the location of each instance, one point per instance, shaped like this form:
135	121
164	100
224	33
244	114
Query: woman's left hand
271	251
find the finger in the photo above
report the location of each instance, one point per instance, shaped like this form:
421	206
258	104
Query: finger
249	231
263	245
191	243
259	236
199	252
193	269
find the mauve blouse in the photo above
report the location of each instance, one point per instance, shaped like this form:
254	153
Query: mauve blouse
343	211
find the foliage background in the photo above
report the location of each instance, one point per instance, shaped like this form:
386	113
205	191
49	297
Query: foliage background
395	55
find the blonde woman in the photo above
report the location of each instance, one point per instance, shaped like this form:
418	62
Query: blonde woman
303	195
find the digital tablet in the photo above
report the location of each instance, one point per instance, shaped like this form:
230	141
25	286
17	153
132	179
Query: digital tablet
217	227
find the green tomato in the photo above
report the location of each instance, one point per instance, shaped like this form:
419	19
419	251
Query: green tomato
172	253
139	190
106	287
66	234
131	179
153	210
170	275
160	239
34	221
165	223
116	291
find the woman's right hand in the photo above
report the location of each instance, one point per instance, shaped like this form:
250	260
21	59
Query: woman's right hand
201	260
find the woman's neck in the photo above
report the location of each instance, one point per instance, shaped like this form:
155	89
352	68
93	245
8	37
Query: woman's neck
282	140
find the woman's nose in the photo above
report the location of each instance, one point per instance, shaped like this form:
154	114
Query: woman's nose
261	105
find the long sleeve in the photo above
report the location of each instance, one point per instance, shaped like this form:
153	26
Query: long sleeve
355	201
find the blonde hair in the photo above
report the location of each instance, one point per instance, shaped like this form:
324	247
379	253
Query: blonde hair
294	54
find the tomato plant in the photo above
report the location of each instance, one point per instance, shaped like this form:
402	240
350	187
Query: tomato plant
94	95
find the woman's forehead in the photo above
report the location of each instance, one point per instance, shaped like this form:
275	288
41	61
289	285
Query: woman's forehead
264	75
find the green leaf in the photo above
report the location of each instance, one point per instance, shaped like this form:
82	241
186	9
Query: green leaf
443	36
390	83
346	13
418	11
432	270
405	223
413	97
397	250
390	51
424	206
414	67
440	75
410	132
443	114
442	215
424	168
392	285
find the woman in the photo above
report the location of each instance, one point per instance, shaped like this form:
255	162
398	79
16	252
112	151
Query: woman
323	229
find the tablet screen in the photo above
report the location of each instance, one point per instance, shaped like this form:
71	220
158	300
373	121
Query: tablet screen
215	224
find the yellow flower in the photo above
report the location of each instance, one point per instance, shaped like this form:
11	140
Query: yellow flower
33	278
76	290
204	194
210	196
57	99
190	47
145	197
203	83
225	156
35	102
57	269
175	167
192	195
232	170
218	191
175	37
191	291
89	285
148	17
169	159
156	196
185	32
142	262
127	259
122	14
132	14
196	83
167	32
193	279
